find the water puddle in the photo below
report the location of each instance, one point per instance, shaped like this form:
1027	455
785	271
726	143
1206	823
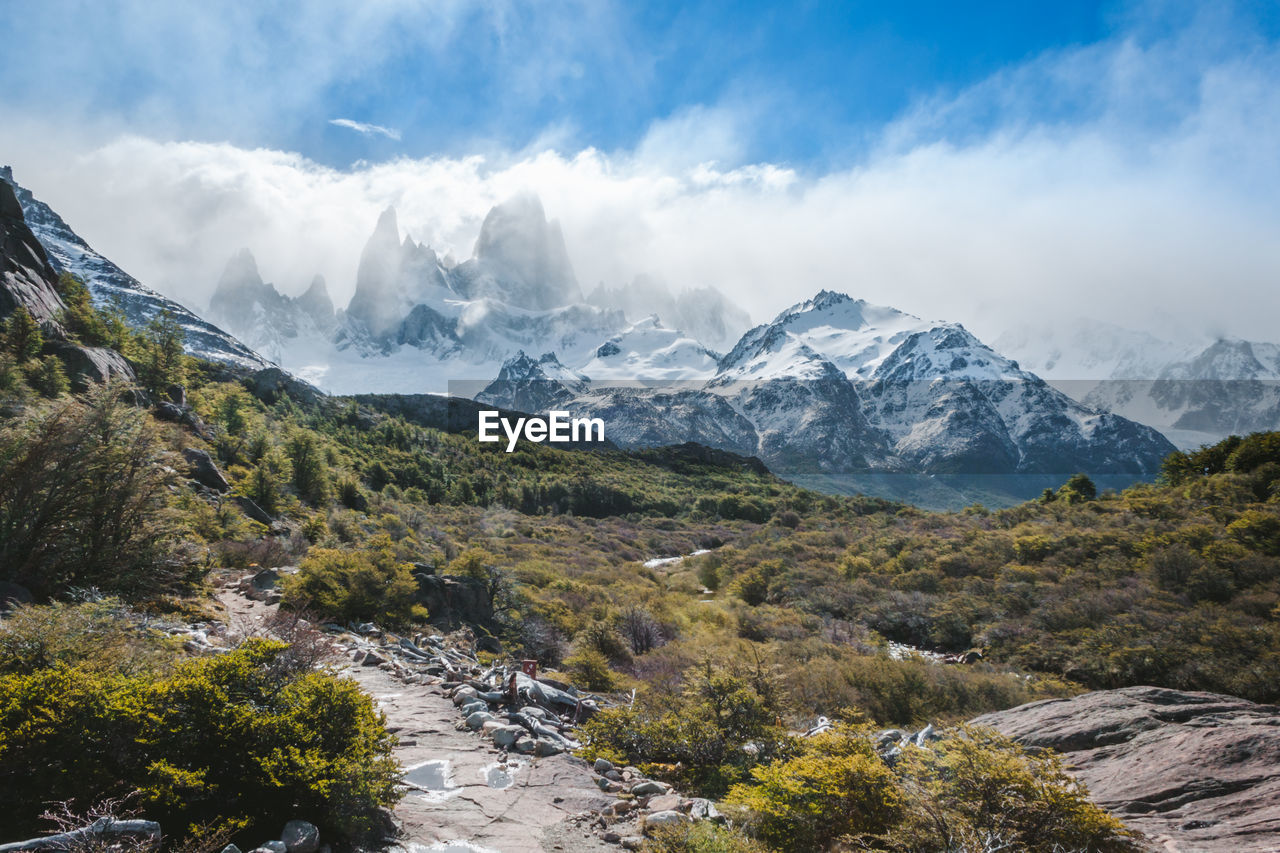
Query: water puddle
452	846
433	780
500	776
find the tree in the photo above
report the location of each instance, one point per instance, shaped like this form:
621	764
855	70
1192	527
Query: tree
22	335
48	376
266	480
82	499
1077	489
162	358
79	317
310	474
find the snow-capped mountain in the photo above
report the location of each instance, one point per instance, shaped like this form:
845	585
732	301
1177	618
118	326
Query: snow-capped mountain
1194	393
703	313
836	386
648	351
109	284
421	322
273	323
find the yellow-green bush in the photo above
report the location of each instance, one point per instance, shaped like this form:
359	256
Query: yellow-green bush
836	787
963	793
370	584
237	740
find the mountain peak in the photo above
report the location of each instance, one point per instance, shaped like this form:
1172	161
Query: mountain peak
520	257
388	224
241	269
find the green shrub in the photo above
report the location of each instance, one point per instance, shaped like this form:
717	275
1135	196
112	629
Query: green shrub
370	584
972	790
590	669
235	740
836	788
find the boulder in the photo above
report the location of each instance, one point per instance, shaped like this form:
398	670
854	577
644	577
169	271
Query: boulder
270	847
452	602
1197	769
12	594
204	470
602	766
669	818
506	736
87	366
664	803
648	786
299	836
547	748
252	510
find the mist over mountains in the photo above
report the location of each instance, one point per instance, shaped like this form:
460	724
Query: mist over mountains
834	389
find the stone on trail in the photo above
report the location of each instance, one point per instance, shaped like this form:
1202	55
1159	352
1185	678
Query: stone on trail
299	836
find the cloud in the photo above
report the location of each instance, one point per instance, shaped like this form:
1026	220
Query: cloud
366	129
1132	180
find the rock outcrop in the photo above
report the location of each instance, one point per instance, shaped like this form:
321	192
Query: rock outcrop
26	276
1195	771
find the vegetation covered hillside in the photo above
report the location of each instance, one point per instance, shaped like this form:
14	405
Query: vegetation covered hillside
117	503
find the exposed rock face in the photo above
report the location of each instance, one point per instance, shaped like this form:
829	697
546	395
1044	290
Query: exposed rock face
26	275
87	365
204	470
521	258
1196	771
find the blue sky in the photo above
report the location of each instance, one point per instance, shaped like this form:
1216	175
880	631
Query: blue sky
994	163
813	83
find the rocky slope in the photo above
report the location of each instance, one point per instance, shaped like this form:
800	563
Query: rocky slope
1198	772
28	279
110	284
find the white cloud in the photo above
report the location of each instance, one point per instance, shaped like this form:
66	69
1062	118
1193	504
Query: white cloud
1131	182
366	129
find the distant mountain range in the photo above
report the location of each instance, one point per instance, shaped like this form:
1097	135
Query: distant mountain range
839	389
1195	393
833	391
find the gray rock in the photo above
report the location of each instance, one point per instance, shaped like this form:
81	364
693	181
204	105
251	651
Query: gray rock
1199	768
478	719
602	766
505	736
252	510
88	366
204	470
670	818
299	836
270	847
231	848
525	745
701	809
547	748
648	786
11	594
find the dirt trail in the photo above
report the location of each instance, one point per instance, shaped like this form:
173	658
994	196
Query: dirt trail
461	798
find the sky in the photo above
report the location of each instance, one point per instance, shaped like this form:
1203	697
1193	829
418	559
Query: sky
999	164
